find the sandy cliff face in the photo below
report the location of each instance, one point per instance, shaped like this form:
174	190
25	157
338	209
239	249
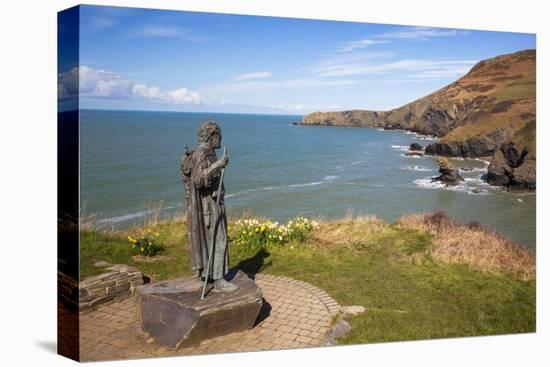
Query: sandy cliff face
484	113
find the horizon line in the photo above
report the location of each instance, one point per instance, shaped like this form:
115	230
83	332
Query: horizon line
172	111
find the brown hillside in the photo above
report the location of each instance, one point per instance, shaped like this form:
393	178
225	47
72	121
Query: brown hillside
474	116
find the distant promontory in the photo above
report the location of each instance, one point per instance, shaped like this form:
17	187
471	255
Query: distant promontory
489	112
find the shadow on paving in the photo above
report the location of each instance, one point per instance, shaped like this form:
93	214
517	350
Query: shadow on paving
255	264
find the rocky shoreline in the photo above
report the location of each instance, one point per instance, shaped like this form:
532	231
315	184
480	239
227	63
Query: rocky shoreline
491	111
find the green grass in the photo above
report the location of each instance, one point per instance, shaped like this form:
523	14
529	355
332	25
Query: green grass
407	294
524	88
115	249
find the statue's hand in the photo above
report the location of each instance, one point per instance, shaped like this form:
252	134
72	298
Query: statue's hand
223	161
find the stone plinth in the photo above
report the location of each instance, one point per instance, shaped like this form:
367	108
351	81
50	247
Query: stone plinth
173	314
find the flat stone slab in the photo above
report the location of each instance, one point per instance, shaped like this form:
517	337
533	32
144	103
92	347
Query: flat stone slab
173	314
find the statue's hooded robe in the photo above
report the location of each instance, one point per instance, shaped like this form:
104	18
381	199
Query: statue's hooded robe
204	216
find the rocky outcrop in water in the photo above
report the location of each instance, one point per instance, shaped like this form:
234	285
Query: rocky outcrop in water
478	115
449	174
415	147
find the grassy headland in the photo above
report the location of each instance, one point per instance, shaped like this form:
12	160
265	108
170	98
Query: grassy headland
489	112
424	276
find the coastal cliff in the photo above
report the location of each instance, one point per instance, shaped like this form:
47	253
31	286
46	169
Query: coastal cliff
491	111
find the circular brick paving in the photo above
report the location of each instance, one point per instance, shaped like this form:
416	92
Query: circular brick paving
295	315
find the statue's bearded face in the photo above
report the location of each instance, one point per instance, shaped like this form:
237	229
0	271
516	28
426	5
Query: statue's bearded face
215	140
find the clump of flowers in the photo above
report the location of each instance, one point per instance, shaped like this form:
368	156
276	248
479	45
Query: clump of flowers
300	227
146	243
253	232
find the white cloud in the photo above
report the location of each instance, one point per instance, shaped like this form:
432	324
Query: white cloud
67	85
254	75
433	68
443	71
351	60
170	32
102	84
354	45
177	96
416	33
98	23
338	61
422	33
95	83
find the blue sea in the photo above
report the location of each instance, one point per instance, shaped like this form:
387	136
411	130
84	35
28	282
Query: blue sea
130	165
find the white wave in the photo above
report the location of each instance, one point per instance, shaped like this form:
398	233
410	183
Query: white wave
356	162
282	187
482	160
418	168
425	137
123	218
472	169
427	183
400	147
306	184
243	192
419	136
477	184
477	181
412	156
141	213
469	159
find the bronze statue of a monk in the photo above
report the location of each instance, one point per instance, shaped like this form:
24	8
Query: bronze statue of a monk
206	219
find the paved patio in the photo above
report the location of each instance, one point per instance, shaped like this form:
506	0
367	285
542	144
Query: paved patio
296	314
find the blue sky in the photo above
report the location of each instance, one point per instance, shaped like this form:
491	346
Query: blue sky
189	61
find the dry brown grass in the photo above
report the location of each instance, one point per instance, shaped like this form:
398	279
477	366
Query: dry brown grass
348	231
86	220
155	216
473	244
